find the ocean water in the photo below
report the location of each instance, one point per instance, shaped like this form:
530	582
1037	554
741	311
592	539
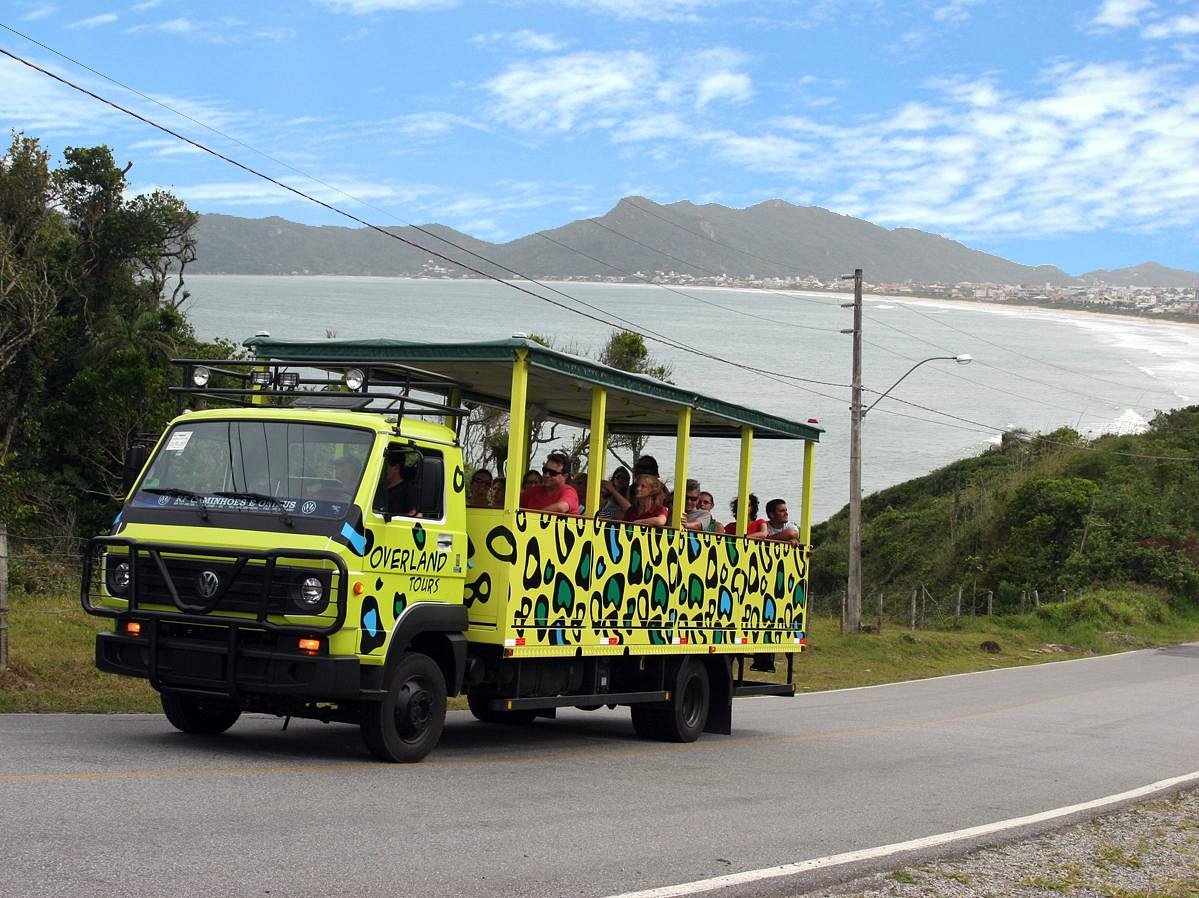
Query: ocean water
1036	369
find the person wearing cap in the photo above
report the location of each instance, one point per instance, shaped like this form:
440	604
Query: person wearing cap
554	493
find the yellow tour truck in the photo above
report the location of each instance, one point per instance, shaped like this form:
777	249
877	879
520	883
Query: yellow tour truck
258	565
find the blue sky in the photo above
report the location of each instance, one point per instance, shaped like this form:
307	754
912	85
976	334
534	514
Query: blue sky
1046	132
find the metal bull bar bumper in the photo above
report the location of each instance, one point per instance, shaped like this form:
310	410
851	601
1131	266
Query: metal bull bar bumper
190	639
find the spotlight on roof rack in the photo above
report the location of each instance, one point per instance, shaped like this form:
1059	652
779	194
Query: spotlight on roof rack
289	380
261	378
200	376
354	379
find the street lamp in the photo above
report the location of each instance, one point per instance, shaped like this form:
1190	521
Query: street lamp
963	359
853	596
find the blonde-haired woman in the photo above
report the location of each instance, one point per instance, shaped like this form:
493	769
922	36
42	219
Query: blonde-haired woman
649	502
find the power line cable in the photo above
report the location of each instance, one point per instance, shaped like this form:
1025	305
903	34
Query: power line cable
337	210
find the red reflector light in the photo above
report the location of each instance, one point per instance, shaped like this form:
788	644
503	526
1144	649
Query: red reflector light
520	640
310	645
133	628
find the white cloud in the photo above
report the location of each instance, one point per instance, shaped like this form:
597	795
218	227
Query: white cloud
955	12
106	18
1120	13
524	39
653	10
734	86
577	90
145	5
39	11
1179	26
226	30
366	7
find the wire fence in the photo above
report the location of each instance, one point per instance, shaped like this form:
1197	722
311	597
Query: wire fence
920	608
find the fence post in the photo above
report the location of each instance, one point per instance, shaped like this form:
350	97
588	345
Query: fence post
844	602
1023	600
880	611
3	596
1036	598
957	610
990	597
914	591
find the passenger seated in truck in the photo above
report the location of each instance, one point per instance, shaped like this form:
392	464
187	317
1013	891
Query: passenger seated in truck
615	495
403	492
554	493
696	517
778	526
480	487
649	502
756	527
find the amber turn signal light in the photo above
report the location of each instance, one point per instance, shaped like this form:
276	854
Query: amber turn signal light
133	628
311	646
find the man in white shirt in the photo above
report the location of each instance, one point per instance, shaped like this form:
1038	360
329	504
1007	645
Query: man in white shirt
778	527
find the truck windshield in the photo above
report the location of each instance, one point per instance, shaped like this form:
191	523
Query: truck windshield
271	468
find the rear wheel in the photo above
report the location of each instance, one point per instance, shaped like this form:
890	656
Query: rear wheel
406	725
682	718
199	714
478	707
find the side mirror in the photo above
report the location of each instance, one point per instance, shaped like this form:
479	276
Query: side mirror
135	460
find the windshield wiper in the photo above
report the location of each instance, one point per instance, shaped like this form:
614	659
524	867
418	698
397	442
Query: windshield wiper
181	494
260	497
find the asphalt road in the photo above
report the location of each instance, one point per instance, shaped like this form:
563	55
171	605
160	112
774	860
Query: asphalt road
124	805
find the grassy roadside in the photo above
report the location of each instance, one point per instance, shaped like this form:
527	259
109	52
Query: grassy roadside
51	644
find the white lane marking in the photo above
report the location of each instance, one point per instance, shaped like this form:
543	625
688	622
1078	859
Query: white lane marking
866	854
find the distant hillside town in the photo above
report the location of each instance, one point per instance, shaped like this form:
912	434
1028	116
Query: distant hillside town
1092	297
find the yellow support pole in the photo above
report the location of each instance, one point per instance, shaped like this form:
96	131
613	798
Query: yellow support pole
596	449
809	478
518	449
681	448
743	472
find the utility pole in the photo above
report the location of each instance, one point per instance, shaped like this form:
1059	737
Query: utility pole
853	597
3	596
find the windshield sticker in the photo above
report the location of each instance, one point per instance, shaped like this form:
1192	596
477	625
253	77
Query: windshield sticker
178	441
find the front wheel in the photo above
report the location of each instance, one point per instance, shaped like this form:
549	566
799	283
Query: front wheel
199	714
406	725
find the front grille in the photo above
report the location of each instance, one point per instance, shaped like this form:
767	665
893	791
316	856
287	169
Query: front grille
244	592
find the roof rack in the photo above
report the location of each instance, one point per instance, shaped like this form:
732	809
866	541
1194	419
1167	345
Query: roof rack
357	386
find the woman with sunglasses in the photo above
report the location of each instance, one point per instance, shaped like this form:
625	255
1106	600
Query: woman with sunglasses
480	487
616	495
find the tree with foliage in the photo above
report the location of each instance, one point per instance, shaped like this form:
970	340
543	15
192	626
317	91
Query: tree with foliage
91	295
627	351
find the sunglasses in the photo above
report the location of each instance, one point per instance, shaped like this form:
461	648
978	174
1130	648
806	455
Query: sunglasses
550	472
482	480
691	498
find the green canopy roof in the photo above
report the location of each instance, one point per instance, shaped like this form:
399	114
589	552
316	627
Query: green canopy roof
559	384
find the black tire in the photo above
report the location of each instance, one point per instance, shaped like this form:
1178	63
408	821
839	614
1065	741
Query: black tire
407	723
478	707
686	715
199	714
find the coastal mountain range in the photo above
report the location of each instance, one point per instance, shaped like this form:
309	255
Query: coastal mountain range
638	237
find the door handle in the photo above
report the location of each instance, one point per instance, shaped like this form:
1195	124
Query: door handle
445	542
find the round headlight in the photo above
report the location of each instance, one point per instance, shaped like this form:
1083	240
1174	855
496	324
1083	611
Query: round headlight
200	376
354	379
118	578
311	593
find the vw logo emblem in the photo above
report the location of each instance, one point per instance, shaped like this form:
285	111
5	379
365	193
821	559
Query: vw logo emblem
163	500
207	584
309	507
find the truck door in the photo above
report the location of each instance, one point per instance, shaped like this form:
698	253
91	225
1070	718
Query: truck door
418	553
